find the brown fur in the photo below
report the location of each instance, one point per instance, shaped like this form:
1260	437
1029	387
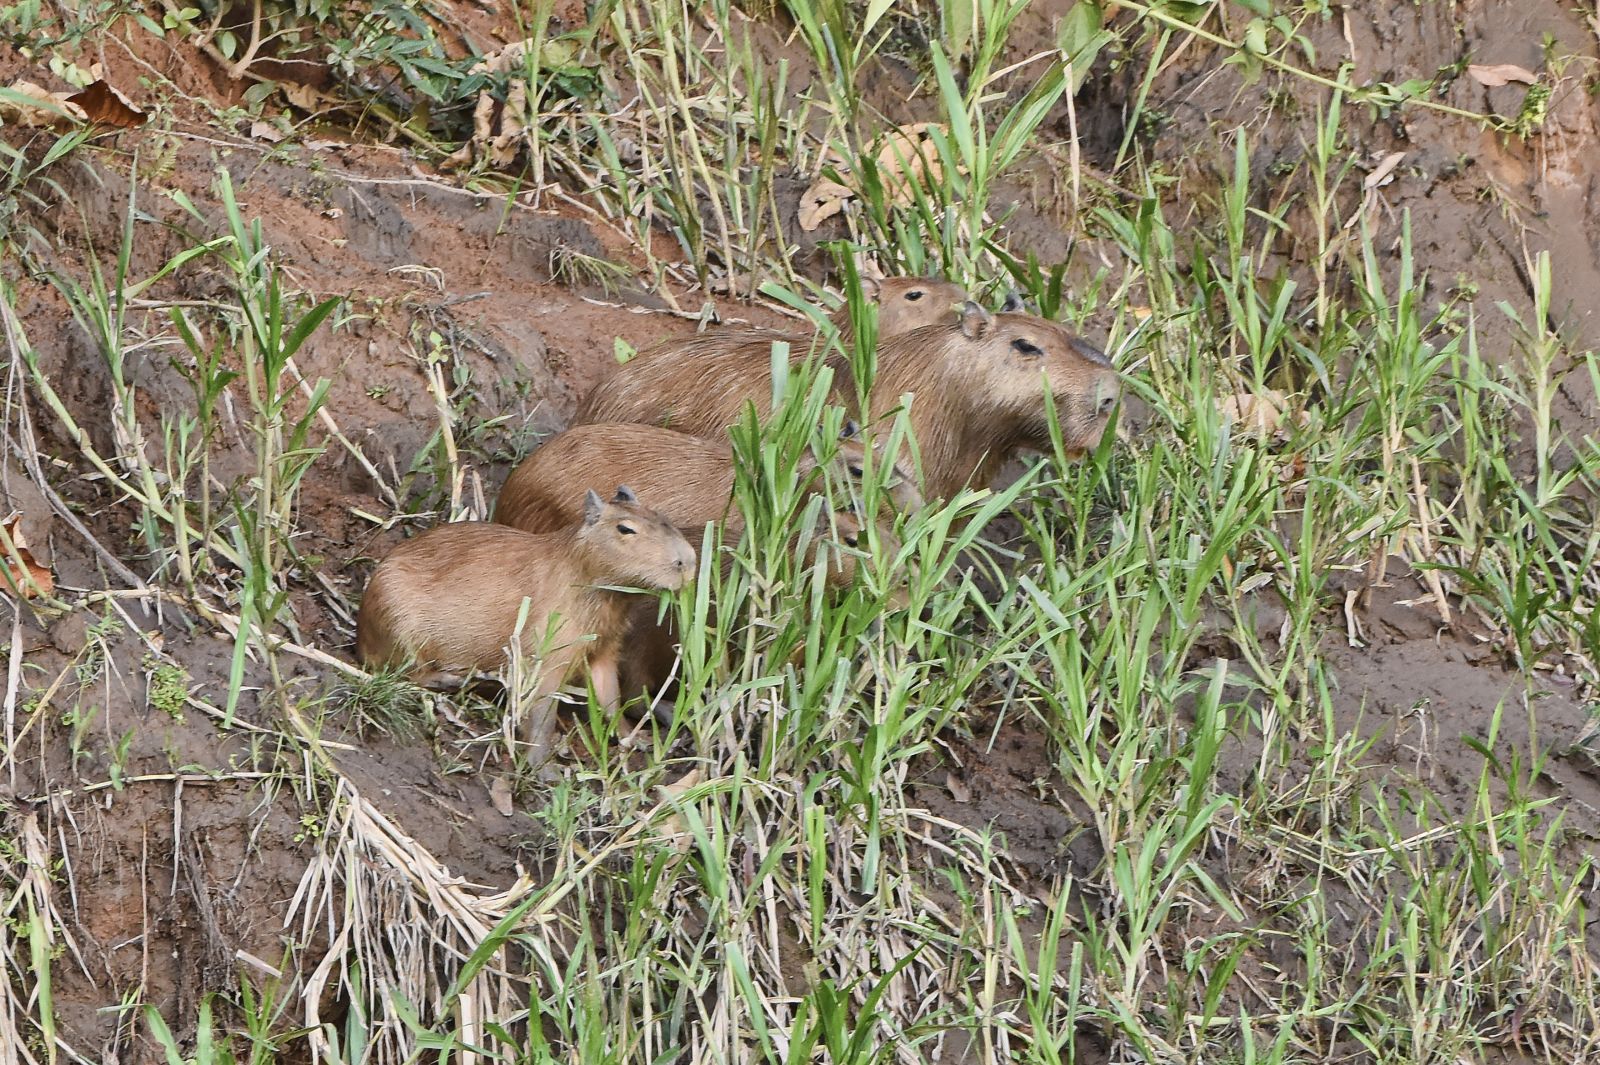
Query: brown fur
690	481
978	397
979	384
700	384
687	478
652	645
447	601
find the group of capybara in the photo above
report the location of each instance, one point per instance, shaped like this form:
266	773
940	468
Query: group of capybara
616	500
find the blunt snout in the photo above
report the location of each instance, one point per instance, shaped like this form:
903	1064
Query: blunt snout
1107	391
1107	382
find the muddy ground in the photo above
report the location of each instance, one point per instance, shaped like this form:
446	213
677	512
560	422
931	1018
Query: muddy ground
167	879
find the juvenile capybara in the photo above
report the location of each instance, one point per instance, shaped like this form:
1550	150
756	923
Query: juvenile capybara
687	478
446	602
729	367
690	481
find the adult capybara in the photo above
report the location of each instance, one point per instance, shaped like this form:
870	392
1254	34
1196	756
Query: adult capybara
727	367
688	479
979	383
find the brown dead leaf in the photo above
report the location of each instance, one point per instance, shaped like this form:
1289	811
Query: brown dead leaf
106	106
1383	173
959	791
53	109
908	159
302	96
1494	75
501	128
822	201
672	828
500	795
1259	414
265	131
23	570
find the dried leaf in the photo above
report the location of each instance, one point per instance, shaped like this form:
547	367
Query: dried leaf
500	795
1383	173
265	131
910	158
500	128
23	570
822	201
672	828
52	108
959	791
302	96
1494	75
1259	414
107	107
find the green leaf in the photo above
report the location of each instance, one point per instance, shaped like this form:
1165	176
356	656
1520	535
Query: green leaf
955	107
1081	37
960	19
875	11
307	326
1255	37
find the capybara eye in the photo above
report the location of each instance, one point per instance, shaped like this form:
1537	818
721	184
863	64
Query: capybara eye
914	295
856	471
625	530
1027	347
852	540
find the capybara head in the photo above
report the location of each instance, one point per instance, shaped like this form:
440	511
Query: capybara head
907	303
1017	356
841	536
852	536
851	458
632	543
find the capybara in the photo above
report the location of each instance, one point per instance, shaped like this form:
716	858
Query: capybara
447	601
978	381
687	478
725	368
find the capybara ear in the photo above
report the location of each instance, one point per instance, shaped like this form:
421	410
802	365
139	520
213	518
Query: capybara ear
625	495
850	430
975	321
592	506
1014	303
870	288
1089	351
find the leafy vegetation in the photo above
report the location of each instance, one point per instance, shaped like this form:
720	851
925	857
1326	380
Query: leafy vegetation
1239	869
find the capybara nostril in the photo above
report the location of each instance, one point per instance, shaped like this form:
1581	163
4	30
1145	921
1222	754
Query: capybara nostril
1108	389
